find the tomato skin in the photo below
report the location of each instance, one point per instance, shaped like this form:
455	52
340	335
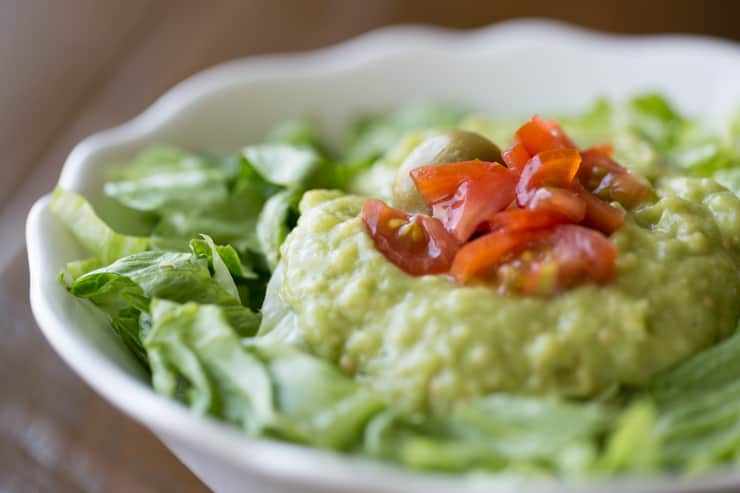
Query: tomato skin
582	254
551	168
610	181
600	215
515	220
483	255
563	202
553	260
516	157
417	244
538	135
464	195
557	131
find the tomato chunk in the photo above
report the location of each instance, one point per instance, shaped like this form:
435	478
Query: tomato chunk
538	135
600	215
537	262
551	168
417	244
516	157
463	195
560	201
479	259
515	220
610	181
582	254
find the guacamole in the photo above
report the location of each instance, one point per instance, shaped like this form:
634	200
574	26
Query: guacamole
429	344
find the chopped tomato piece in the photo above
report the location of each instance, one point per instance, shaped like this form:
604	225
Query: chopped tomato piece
573	255
582	254
417	244
610	181
538	135
559	133
599	214
605	149
479	259
514	220
552	168
559	201
537	262
464	195
516	157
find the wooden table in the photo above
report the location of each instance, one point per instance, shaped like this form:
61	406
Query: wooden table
71	68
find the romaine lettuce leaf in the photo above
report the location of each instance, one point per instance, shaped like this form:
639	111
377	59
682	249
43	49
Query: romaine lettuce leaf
200	360
634	445
299	133
698	408
273	390
492	433
91	231
173	276
278	216
372	135
283	164
165	178
229	256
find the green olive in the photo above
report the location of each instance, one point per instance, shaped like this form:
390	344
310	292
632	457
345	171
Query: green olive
448	147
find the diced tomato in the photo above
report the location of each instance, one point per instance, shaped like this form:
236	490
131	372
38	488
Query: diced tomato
599	214
417	244
539	225
515	220
551	168
559	133
479	259
610	181
516	157
582	254
537	262
605	149
538	135
464	195
560	201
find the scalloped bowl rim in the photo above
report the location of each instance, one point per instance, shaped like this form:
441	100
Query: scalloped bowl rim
299	464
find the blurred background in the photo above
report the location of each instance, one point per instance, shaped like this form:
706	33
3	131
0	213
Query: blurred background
73	67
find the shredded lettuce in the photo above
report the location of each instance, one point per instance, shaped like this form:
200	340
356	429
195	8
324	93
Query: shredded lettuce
495	432
91	231
275	390
372	135
164	178
277	217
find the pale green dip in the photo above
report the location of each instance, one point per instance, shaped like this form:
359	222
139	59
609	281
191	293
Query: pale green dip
427	343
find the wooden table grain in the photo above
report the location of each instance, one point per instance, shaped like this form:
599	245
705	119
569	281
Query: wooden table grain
71	68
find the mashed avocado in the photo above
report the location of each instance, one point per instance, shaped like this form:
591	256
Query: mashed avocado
428	344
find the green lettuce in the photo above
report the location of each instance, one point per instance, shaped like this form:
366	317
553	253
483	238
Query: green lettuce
493	433
278	216
372	135
165	178
91	231
273	390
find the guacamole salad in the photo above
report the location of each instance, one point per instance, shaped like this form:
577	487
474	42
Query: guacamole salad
446	290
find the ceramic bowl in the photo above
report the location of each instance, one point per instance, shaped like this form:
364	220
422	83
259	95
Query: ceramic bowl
515	68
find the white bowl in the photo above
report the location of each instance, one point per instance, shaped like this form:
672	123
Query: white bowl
514	68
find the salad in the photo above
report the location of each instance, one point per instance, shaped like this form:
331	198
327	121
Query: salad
446	291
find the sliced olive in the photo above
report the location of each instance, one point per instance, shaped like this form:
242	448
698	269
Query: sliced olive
448	147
